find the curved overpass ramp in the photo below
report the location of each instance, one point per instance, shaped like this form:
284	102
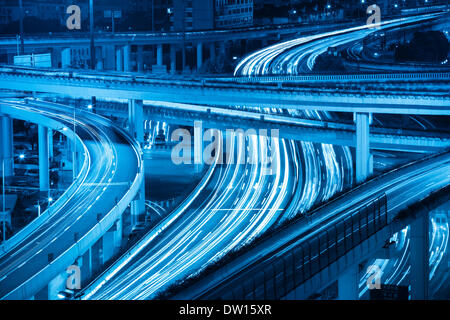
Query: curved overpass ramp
114	175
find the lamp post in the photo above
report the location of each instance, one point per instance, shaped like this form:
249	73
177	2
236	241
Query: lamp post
153	15
74	153
3	200
91	30
21	27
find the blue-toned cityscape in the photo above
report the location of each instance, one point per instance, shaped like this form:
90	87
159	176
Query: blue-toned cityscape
224	150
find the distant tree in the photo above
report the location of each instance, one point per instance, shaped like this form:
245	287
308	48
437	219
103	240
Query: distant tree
220	65
429	46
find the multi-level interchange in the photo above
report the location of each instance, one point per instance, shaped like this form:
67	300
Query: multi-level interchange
295	138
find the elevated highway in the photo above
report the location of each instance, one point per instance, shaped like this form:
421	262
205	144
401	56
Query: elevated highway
148	38
83	221
293	128
218	94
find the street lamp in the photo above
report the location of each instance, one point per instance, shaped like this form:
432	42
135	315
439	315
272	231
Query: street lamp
21	27
4	200
91	29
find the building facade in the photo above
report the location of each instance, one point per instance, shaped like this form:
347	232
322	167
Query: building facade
189	15
233	13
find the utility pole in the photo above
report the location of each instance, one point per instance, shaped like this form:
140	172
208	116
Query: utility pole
74	153
183	52
91	30
153	15
22	50
4	200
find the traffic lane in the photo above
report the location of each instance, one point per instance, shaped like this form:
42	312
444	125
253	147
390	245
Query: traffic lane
188	253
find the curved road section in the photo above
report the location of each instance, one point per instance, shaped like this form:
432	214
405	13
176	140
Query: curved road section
113	178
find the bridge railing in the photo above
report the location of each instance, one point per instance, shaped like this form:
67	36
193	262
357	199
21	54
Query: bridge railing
313	254
132	78
342	77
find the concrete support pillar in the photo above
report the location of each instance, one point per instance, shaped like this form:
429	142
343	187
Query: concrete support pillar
126	58
140	58
173	59
199	55
117	229
66	57
364	164
136	124
111	241
85	263
97	255
53	288
212	51
183	58
50	143
198	146
419	258
44	167
75	158
57	285
6	148
119	59
56	57
159	55
222	48
135	119
107	246
110	54
99	54
348	284
138	206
